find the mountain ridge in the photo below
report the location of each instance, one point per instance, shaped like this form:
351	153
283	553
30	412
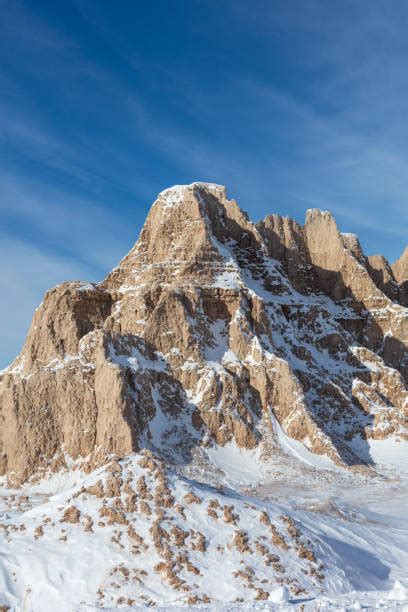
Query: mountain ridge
209	328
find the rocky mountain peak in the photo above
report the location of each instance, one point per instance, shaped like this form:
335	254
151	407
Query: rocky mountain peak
213	330
400	267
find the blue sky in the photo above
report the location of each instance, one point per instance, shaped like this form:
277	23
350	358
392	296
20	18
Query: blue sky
291	104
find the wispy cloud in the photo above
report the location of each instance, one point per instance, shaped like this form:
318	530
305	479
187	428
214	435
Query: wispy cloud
296	107
315	154
22	24
68	225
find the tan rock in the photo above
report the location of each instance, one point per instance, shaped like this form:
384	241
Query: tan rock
211	329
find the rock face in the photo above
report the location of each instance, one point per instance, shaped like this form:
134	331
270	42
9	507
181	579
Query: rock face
400	270
214	329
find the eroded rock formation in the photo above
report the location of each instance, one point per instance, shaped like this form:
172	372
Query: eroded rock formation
214	328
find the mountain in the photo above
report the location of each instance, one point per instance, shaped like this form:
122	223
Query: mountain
228	402
212	329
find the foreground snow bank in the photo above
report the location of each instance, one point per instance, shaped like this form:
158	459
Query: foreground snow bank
137	534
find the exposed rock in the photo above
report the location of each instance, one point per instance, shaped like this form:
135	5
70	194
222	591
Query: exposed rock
71	515
400	270
212	329
400	267
383	276
191	498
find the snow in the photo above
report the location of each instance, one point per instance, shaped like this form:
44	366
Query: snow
279	595
314	212
349	235
84	286
58	364
56	483
230	358
300	451
174	195
16	370
135	359
399	592
239	465
363	548
217	348
389	454
227	279
159	424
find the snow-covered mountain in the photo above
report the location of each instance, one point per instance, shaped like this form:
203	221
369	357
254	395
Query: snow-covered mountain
172	428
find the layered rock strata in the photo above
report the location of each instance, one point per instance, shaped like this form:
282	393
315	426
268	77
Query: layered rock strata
214	329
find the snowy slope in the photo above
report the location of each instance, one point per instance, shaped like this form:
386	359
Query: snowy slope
137	534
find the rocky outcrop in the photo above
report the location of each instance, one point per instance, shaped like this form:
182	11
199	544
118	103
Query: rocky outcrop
213	329
285	242
383	276
400	270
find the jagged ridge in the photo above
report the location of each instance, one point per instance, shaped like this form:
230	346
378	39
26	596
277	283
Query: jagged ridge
211	329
